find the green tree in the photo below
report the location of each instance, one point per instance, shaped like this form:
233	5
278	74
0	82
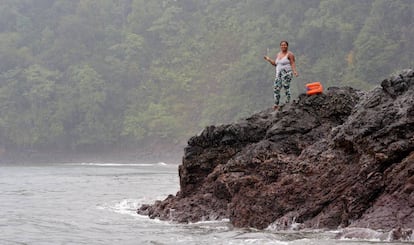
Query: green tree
81	107
29	106
380	47
86	74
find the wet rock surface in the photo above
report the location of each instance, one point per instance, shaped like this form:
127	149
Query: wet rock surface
340	159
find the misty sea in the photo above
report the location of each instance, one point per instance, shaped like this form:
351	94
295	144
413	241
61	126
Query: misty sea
95	203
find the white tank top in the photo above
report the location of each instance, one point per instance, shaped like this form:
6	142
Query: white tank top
283	64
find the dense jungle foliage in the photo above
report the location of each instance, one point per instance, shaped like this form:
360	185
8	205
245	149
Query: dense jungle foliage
89	74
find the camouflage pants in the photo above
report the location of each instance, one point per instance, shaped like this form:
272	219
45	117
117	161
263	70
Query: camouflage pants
283	79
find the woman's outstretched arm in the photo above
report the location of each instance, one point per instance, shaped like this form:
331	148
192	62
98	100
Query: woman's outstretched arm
270	60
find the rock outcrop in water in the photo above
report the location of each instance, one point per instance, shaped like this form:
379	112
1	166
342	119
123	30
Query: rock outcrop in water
340	159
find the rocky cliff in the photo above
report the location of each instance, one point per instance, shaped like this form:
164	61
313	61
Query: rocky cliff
340	159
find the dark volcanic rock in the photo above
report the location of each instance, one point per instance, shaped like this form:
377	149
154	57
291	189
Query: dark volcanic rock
340	159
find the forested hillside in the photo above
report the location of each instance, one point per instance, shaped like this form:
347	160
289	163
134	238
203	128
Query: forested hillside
90	74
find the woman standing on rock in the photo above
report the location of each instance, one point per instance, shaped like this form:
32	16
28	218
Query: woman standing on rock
285	69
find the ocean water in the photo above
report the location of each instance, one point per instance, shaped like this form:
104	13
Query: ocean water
95	203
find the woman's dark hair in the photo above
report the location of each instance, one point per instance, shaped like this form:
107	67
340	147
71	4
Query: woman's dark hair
284	42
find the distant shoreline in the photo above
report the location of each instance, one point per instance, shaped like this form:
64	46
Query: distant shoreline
173	155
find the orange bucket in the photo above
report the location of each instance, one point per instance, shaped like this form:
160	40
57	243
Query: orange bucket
314	88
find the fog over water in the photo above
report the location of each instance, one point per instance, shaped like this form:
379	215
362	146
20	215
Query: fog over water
82	76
